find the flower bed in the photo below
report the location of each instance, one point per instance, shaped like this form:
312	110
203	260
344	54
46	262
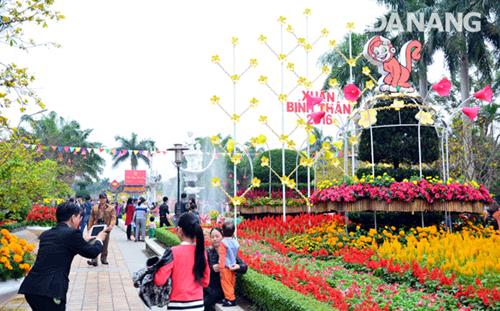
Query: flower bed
16	256
384	194
41	215
166	236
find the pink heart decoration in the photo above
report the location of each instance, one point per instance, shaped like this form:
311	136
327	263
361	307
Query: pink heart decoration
312	101
486	94
317	116
471	112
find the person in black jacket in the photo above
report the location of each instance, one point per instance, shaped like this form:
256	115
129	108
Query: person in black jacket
164	213
213	293
46	285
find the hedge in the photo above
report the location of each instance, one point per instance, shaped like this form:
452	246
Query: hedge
397	173
166	237
262	172
270	294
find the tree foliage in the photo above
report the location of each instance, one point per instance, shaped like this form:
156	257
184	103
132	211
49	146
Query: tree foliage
275	156
26	178
132	143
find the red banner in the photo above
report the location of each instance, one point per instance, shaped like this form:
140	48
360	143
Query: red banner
135	177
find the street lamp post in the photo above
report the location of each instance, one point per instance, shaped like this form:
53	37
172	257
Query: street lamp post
178	149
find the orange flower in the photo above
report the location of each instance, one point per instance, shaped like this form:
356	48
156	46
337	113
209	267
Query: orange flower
18	258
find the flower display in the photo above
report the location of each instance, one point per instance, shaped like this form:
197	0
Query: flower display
352	92
443	87
41	215
16	256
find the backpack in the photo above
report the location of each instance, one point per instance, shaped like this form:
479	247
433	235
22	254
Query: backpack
143	279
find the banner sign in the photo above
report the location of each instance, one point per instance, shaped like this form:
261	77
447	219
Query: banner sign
135	177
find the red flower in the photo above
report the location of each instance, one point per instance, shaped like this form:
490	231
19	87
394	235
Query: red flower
471	112
486	94
442	87
351	92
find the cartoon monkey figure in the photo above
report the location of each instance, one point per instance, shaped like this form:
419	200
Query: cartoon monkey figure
395	73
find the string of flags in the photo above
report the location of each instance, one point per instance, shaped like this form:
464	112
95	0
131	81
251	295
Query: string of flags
88	150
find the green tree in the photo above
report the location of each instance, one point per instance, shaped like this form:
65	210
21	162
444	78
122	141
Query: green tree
320	139
14	80
53	130
133	143
27	178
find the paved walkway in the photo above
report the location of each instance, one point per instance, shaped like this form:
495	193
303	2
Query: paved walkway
104	287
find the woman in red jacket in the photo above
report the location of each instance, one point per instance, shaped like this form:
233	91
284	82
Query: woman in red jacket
129	216
189	269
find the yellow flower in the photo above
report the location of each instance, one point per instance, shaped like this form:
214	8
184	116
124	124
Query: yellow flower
351	62
290	66
253	62
215	59
283	138
230	145
215	140
235	41
262	39
425	118
215	182
333	82
312	139
282	97
301	41
263	119
215	100
235	118
350	26
367	118
281	57
305	161
332	43
354	139
236	200
366	71
397	104
255	182
282	20
325	70
290	183
291	144
289	28
263	79
264	161
235	78
236	158
369	84
307	12
325	32
326	145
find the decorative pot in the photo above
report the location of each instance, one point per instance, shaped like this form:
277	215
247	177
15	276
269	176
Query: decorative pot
8	289
37	230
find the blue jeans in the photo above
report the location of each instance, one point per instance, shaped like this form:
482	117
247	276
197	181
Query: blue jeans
84	222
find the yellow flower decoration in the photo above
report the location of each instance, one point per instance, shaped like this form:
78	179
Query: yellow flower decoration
325	70
301	122
230	145
264	161
333	82
215	59
237	201
302	80
312	139
425	118
332	43
290	66
326	145
351	62
236	158
366	71
263	119
215	140
256	182
301	41
253	62
254	102
263	79
261	139
325	32
215	100
215	182
368	117
235	41
282	56
335	162
283	138
262	39
307	12
290	183
338	144
289	28
369	85
397	104
307	162
308	128
308	47
235	78
291	144
235	118
282	20
354	139
350	26
282	97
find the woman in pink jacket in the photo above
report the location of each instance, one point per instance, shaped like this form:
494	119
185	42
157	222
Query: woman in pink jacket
189	269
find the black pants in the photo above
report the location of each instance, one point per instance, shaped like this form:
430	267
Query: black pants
164	221
42	303
129	231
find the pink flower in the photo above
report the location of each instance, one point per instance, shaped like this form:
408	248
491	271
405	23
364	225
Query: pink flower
351	92
443	87
471	112
486	94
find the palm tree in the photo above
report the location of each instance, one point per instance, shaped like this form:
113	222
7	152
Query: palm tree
129	146
53	130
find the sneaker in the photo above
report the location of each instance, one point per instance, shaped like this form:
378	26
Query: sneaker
92	263
229	303
105	262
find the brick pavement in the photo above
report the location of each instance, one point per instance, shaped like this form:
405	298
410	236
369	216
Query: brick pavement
99	288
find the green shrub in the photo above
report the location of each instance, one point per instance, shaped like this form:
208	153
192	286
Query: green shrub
290	163
397	173
270	294
278	186
166	237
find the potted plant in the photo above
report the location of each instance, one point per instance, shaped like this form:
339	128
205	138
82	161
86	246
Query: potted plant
213	216
16	258
41	218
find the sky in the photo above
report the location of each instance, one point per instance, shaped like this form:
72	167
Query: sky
145	66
